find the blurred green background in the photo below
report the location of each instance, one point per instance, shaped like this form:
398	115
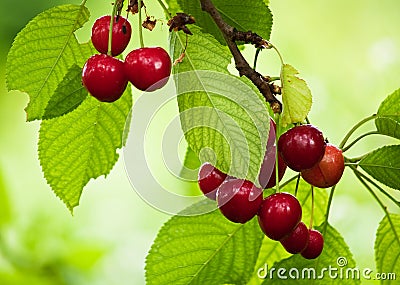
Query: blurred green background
347	51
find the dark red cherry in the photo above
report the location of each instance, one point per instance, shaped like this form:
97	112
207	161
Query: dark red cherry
148	68
279	214
328	171
103	76
210	178
121	34
239	200
315	245
297	241
302	147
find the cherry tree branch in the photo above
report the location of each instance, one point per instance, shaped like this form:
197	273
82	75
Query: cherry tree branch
231	35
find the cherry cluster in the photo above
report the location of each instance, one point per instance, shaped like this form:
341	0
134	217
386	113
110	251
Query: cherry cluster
302	149
106	77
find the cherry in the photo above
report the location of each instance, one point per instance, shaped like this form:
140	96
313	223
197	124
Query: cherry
148	68
302	147
210	178
297	241
315	245
328	171
239	200
121	34
279	215
104	77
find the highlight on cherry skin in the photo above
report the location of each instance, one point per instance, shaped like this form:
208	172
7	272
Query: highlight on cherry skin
209	179
121	34
239	200
328	171
302	147
104	78
148	68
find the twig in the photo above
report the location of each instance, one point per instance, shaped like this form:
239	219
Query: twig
231	35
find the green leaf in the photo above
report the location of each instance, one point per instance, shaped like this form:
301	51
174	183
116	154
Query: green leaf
202	52
299	270
296	96
42	54
387	247
270	252
191	166
82	145
383	164
235	13
224	119
173	7
69	94
205	249
388	120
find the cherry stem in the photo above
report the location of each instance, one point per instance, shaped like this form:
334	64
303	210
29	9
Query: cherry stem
358	139
164	8
277	133
140	24
384	208
355	160
288	181
359	124
110	32
312	208
279	54
297	184
328	208
363	176
83	3
256	58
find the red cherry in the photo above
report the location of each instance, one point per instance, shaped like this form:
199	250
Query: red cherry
302	147
315	245
279	214
103	76
267	176
297	241
209	179
148	68
120	37
239	200
328	171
